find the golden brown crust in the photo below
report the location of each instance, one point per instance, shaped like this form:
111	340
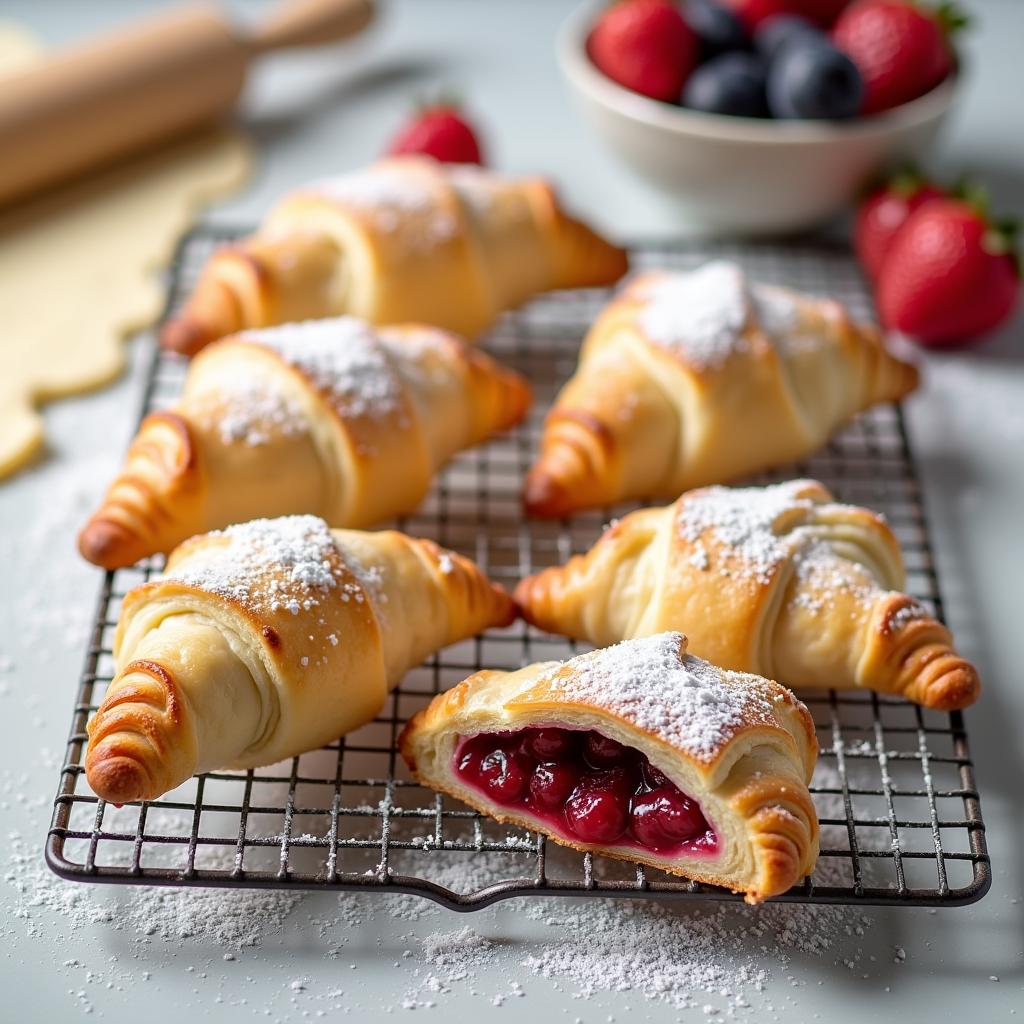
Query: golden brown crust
504	393
162	484
467	588
196	467
648	415
826	611
213	313
142	735
270	639
578	449
490	243
915	657
754	789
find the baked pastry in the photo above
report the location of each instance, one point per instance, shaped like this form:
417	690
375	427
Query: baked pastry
779	580
639	751
697	378
407	239
329	417
269	639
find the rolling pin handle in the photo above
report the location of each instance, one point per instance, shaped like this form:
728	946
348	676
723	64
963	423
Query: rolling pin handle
311	23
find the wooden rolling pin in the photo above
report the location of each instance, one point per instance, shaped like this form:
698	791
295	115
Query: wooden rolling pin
146	83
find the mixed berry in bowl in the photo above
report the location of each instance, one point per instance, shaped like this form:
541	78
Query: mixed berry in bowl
586	788
783	59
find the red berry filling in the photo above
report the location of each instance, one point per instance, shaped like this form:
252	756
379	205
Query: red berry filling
586	787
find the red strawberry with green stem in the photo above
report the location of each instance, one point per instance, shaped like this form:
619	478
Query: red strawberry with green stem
884	211
950	275
901	48
442	131
646	46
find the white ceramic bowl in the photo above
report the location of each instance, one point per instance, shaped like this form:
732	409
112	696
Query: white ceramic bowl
745	175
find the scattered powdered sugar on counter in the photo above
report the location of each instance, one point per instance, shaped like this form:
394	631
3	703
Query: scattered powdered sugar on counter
682	955
650	683
342	357
232	919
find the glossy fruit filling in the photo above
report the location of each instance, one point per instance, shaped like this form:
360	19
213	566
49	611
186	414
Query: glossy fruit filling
585	787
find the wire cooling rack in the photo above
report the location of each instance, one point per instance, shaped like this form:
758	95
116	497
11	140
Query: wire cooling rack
894	788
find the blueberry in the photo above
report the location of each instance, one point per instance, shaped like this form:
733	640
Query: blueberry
733	83
814	80
717	28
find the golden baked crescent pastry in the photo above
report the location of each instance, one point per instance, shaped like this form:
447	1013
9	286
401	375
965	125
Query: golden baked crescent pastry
269	639
639	751
782	581
327	417
697	378
406	239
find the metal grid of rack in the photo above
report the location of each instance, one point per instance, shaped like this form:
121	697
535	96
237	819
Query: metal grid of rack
895	790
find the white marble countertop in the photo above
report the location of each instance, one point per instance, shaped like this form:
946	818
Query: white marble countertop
67	949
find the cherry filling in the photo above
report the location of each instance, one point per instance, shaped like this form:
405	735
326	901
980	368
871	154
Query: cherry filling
587	787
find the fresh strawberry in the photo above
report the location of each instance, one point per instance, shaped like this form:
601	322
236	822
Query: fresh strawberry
950	274
883	212
901	48
440	131
753	12
645	45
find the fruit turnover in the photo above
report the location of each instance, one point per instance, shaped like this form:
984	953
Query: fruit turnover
695	377
776	58
950	274
781	579
640	752
269	639
407	240
440	130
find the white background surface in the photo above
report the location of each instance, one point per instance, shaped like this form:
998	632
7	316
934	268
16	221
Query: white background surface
967	432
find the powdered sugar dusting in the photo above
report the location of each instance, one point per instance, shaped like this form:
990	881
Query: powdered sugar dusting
744	519
281	563
904	616
700	315
391	193
251	411
475	187
371	583
342	357
828	575
703	315
688	703
776	309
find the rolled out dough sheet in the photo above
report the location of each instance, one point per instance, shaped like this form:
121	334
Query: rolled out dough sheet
79	267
